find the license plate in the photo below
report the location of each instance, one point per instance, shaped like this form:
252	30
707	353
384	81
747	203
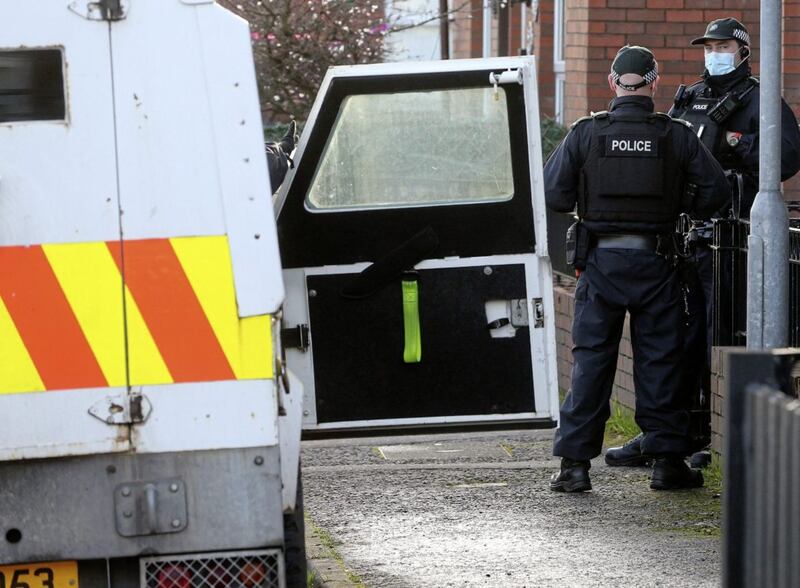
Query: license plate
61	574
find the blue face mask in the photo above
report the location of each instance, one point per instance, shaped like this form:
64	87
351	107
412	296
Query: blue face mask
718	64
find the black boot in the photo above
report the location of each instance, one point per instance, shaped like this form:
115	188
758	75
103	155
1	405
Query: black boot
701	459
672	473
629	455
573	477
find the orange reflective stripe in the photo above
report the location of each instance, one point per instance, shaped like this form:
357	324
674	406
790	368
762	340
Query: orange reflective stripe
172	311
45	322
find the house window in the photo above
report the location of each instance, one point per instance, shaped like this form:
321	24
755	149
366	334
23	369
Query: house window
32	85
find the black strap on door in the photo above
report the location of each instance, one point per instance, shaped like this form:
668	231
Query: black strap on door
392	265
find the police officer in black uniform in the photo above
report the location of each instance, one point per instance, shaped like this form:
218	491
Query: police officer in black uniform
626	171
723	109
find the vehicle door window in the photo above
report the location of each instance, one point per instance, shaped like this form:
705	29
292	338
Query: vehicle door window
408	149
32	85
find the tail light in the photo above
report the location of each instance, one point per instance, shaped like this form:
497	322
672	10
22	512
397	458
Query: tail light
175	576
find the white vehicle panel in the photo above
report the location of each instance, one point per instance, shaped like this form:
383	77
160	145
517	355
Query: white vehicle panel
290	431
215	415
191	152
57	424
58	178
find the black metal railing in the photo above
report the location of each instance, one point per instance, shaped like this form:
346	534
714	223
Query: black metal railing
761	505
730	282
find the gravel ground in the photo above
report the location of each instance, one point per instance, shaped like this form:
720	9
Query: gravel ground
475	510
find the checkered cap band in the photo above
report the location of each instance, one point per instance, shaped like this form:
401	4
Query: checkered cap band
648	77
742	36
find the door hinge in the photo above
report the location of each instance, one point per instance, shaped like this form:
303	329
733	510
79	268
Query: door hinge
109	10
126	409
538	313
295	337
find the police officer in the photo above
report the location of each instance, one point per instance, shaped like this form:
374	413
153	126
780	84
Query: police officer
723	108
279	156
625	169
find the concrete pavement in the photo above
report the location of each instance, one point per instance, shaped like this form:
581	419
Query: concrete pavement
475	510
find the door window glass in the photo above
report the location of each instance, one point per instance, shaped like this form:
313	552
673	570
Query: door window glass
31	85
416	149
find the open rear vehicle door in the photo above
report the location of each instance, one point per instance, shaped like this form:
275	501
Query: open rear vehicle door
436	168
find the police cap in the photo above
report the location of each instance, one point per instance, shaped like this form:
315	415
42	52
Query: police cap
724	28
632	59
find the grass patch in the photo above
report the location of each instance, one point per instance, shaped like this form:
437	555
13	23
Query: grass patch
508	448
377	451
330	544
713	474
695	513
621	425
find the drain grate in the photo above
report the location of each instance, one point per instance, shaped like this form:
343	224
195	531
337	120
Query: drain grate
242	569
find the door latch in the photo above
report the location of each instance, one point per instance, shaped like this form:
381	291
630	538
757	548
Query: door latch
126	409
109	10
538	313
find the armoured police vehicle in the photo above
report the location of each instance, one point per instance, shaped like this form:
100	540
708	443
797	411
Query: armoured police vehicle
149	434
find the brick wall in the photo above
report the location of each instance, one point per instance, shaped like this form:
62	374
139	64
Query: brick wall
791	74
543	49
598	28
717	397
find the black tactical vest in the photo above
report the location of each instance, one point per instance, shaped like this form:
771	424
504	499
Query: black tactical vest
631	172
706	129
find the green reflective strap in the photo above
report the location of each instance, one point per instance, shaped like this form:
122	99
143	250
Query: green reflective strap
412	353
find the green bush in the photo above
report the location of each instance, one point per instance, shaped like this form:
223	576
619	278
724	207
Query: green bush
552	134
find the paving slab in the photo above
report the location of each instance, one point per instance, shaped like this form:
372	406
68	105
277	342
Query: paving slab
484	516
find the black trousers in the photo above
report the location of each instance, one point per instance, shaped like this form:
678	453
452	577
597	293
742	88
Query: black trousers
645	285
699	338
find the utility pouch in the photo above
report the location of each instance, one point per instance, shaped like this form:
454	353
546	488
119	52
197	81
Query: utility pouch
577	245
669	245
680	96
723	109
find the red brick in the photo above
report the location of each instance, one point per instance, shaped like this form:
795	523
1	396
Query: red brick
665	4
608	14
625	27
664	54
607	40
581	26
649	41
685	16
627	3
706	3
647	15
663	28
598	27
710	15
740	4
